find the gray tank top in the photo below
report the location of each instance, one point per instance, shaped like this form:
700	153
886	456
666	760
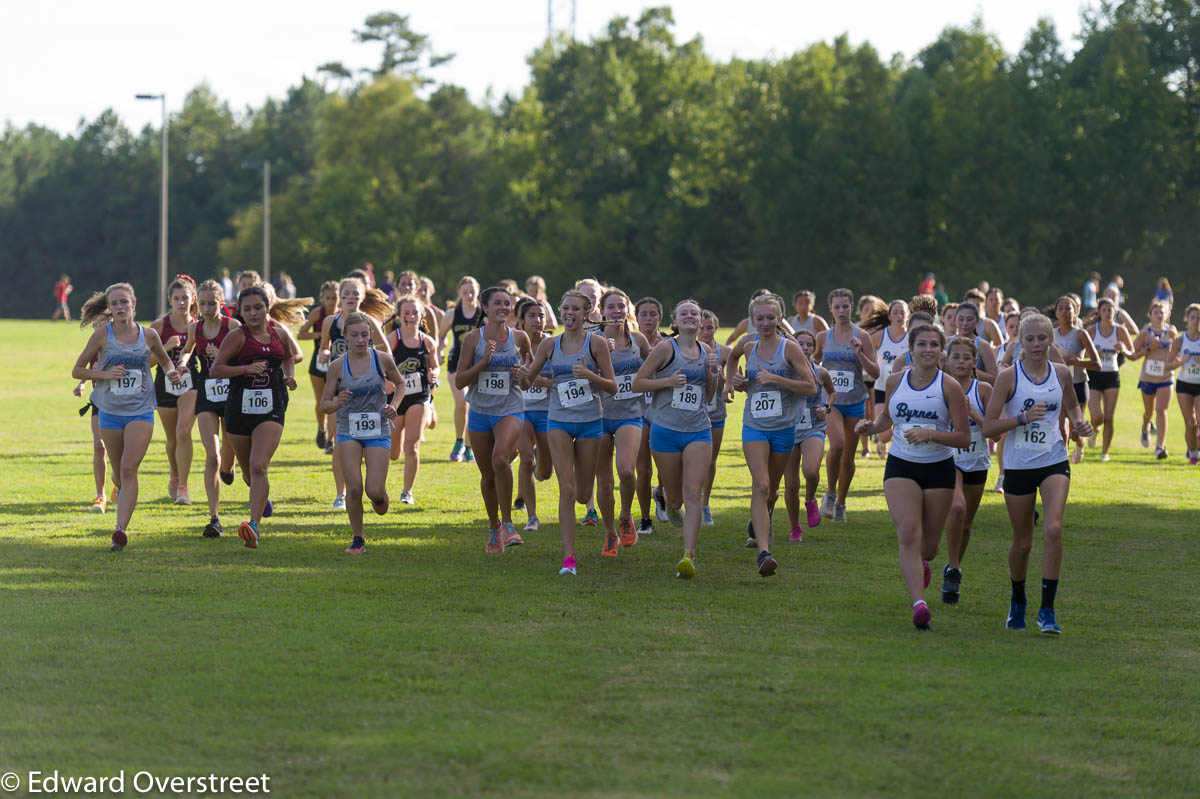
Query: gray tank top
769	407
844	369
1071	348
573	399
361	418
537	398
682	409
133	394
495	391
624	404
807	423
809	324
716	406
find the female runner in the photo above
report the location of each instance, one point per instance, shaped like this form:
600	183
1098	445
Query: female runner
1078	352
356	392
311	331
971	463
258	361
534	444
204	339
488	360
966	319
123	392
461	318
929	411
778	376
1111	341
809	449
177	403
950	319
715	407
891	343
1155	343
804	319
847	354
682	374
622	417
1030	396
649	320
415	355
1186	357
869	308
579	364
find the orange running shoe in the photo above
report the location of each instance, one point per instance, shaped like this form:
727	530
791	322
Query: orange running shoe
249	535
99	504
610	546
629	536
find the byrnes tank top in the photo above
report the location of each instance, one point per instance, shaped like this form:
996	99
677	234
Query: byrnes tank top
573	399
1106	346
1189	372
924	408
1071	347
974	457
888	353
769	407
362	417
1036	444
682	409
807	422
1154	364
844	369
495	391
624	404
133	394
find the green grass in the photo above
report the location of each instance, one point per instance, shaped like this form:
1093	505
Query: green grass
426	668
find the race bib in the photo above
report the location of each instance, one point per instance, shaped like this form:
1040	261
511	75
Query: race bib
534	394
624	388
412	383
365	425
495	383
1156	368
649	397
185	385
322	367
217	390
805	420
574	392
1190	372
766	404
1036	436
131	383
976	445
842	381
1108	361
924	445
714	404
257	401
687	398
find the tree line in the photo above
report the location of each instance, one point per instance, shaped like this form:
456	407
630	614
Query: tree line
641	160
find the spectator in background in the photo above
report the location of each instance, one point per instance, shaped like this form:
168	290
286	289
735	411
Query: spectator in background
62	290
1118	284
926	286
1163	292
984	287
388	286
1091	291
369	270
286	288
226	285
939	294
535	286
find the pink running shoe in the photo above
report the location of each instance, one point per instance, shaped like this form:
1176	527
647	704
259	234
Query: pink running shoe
921	616
568	566
814	513
797	534
925	569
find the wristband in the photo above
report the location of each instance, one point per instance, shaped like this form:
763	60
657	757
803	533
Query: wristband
1021	418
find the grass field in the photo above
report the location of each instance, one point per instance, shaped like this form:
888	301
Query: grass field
426	668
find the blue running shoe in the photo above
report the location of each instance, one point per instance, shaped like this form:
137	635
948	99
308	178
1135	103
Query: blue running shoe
1046	622
268	510
1016	616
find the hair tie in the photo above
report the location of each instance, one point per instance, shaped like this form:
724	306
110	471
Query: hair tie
187	278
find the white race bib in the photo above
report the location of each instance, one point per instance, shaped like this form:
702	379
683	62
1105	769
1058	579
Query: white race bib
924	445
412	383
714	404
649	397
687	397
624	388
131	383
185	385
365	425
534	394
216	389
805	420
495	383
1156	368
257	401
574	392
766	404
1190	373
976	445
843	381
1036	436
1108	361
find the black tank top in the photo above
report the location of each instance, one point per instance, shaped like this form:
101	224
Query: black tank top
412	360
461	326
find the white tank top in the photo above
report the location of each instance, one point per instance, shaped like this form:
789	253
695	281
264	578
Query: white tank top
1189	372
974	457
889	352
924	408
1036	444
1107	347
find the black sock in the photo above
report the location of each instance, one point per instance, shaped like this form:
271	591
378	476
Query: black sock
1018	591
1049	589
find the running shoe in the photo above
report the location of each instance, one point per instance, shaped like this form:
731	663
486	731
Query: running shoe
339	502
1160	453
766	564
468	456
926	572
797	534
356	546
629	536
381	506
1077	454
839	512
226	477
610	546
248	532
213	528
827	503
1192	461
116	492
494	544
532	525
706	517
456	454
1104	458
1153	428
999	487
921	615
812	513
1016	616
685	568
660	506
182	497
591	519
329	447
1047	623
518	504
99	504
511	537
951	585
119	540
269	510
568	566
406	498
751	541
676	516
172	486
645	527
1092	439
321	438
1145	438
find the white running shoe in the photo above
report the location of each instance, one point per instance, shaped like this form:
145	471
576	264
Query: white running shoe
827	503
339	502
706	517
406	497
532	525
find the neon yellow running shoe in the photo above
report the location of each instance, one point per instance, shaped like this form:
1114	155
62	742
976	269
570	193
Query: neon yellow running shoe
685	568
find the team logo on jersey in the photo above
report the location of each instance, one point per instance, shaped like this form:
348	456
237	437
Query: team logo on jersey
908	414
339	347
1030	402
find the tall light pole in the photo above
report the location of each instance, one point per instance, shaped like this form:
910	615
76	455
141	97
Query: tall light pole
162	208
266	234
